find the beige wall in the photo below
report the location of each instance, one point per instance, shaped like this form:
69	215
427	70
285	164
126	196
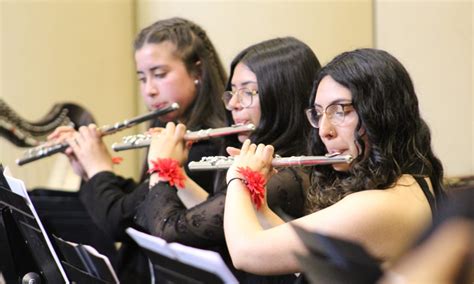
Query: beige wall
55	51
80	50
329	27
433	39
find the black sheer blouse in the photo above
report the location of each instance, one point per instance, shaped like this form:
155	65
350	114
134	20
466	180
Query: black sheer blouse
111	200
163	214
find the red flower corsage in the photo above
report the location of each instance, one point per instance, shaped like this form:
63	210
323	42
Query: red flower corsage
255	183
169	170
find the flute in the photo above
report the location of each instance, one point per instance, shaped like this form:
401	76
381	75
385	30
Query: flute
43	151
223	163
144	140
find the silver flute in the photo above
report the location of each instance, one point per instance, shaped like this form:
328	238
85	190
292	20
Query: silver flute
43	151
223	162
144	140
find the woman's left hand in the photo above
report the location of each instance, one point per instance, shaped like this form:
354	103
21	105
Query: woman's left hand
257	158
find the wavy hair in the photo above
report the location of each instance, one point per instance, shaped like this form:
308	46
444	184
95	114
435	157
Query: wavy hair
193	46
399	139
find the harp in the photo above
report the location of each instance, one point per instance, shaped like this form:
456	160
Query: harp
24	133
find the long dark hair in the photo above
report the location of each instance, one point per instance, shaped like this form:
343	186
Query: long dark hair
193	46
285	69
399	139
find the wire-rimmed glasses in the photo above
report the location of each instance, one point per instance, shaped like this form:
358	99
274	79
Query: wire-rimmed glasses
335	113
244	97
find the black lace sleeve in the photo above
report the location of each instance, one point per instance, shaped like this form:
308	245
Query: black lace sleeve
111	200
163	214
286	192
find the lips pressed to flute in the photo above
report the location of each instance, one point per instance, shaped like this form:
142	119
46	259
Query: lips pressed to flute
144	140
43	151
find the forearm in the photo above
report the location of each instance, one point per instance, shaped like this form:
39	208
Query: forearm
241	225
253	249
192	194
267	218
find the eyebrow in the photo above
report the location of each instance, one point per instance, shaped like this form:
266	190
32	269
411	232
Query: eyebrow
338	101
154	68
245	83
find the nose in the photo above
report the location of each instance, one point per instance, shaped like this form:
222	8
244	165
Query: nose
326	129
234	102
150	88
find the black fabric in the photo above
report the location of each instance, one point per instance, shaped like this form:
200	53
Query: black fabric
164	215
111	201
429	196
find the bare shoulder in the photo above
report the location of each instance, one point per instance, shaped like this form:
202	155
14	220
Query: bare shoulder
404	193
384	220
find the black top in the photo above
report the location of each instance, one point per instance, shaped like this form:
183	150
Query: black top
429	196
111	201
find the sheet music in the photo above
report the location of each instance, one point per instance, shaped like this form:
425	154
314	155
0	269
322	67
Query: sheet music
203	259
18	187
152	243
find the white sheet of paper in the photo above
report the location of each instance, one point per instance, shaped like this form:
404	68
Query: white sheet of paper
203	259
150	242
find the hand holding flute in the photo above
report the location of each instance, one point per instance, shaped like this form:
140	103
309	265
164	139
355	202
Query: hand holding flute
257	158
53	148
169	143
87	152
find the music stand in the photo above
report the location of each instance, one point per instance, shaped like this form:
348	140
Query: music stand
176	263
25	248
27	253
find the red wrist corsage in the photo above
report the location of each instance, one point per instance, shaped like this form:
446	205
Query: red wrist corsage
255	183
169	170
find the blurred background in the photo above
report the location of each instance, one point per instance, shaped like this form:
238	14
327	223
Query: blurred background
80	51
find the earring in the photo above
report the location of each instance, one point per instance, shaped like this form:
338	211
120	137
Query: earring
331	132
196	82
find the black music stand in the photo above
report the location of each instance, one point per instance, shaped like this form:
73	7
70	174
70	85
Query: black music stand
84	259
25	249
23	246
176	263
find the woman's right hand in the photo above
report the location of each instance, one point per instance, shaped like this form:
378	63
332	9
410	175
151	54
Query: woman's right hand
169	143
60	135
90	150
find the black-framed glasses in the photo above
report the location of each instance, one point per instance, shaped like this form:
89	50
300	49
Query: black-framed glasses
335	113
244	97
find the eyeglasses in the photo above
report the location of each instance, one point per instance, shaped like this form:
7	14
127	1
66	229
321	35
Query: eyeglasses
335	113
244	97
